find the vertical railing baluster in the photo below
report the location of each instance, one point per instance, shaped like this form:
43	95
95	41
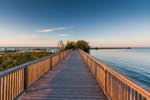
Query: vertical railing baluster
3	88
25	77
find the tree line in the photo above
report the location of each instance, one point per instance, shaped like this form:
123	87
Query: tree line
80	44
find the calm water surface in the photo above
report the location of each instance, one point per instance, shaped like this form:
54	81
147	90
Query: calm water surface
132	63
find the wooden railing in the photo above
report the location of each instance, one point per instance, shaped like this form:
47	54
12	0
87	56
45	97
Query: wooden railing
114	85
14	81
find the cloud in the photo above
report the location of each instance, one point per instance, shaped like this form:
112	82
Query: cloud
63	35
54	29
51	29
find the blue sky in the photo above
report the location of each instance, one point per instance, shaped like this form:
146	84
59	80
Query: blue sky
100	22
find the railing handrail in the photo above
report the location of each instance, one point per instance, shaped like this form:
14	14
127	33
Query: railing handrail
121	77
10	70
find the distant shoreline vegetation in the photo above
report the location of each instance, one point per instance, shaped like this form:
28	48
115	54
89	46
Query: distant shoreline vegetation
111	48
80	44
11	58
120	48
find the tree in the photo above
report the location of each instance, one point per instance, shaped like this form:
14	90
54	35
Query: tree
70	45
83	45
80	44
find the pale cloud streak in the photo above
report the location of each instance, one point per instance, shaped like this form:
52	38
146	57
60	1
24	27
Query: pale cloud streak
52	29
63	35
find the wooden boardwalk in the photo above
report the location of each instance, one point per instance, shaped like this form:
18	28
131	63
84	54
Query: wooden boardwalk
69	80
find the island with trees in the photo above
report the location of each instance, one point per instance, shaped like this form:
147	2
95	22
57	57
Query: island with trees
80	44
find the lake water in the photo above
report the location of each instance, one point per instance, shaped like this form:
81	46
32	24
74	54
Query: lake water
132	63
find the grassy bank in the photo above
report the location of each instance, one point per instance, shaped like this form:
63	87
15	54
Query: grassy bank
10	59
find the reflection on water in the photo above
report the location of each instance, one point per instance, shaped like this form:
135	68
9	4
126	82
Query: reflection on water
133	63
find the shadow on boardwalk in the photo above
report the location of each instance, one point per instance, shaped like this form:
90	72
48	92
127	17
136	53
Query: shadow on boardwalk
69	80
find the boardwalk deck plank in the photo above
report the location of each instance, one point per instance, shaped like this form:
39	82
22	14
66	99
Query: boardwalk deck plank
69	80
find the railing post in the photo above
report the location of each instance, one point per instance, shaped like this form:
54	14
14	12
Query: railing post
63	55
59	56
26	77
2	81
51	63
95	70
90	64
105	80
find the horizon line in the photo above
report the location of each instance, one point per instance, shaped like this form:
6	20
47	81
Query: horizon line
90	47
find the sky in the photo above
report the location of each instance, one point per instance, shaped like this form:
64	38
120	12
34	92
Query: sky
103	23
